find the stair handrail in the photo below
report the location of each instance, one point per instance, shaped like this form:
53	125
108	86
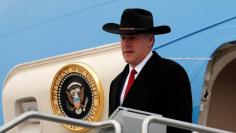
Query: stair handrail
59	119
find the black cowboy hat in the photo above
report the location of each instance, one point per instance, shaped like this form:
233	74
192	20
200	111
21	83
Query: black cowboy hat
135	21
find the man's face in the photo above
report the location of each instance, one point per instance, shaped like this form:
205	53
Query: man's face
136	47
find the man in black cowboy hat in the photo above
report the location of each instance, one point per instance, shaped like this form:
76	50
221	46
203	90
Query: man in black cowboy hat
148	82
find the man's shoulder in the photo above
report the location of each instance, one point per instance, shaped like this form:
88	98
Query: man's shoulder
121	74
164	62
170	62
167	64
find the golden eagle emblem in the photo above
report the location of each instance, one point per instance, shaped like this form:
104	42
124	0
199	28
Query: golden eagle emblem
77	92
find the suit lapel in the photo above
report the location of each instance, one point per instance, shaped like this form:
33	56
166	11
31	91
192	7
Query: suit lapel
120	83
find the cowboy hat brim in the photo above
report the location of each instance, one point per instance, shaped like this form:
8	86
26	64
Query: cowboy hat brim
116	29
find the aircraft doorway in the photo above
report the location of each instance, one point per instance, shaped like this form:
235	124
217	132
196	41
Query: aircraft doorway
218	107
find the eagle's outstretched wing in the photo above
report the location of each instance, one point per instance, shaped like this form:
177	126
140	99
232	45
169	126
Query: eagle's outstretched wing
69	97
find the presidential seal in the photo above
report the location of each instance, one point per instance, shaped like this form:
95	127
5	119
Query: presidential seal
76	92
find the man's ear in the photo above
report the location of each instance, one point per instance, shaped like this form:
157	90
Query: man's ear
151	40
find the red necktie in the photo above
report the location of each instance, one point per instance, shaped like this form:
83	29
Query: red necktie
130	82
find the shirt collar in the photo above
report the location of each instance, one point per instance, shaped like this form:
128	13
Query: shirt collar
140	66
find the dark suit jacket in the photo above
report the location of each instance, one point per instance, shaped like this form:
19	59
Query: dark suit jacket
162	87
